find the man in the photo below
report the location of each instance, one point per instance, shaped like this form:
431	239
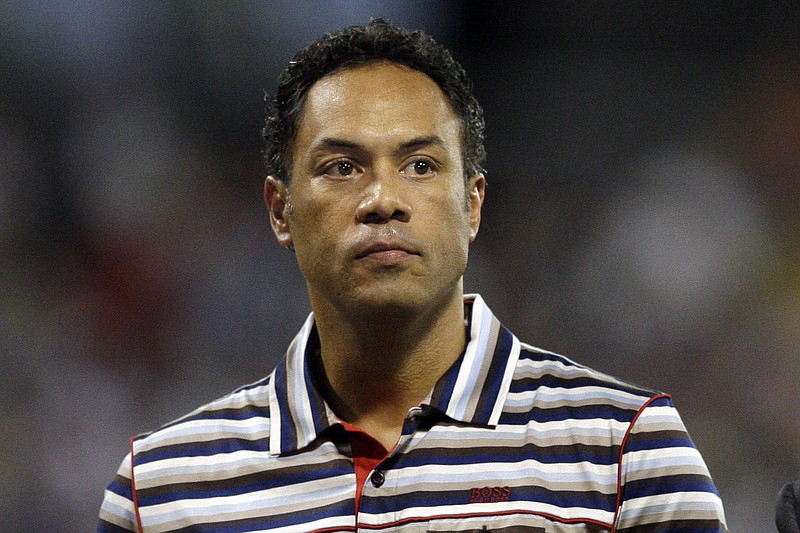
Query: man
403	405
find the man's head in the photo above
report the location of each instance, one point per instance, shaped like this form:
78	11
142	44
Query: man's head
361	45
377	197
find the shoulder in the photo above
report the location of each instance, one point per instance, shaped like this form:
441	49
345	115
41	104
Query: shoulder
237	421
551	383
557	369
240	418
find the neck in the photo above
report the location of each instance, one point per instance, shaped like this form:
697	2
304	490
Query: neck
376	368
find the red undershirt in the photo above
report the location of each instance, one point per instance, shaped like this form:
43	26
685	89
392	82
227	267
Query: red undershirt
367	454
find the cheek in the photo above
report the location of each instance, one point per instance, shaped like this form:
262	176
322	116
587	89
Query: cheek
318	229
454	231
457	217
312	217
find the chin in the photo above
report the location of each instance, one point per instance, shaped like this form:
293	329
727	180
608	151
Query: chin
401	302
396	304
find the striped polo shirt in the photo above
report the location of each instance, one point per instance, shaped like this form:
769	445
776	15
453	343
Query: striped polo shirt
511	439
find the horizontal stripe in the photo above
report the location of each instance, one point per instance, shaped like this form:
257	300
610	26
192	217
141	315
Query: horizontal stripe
531	496
247	425
244	484
698	525
574	396
542	433
700	506
522	511
308	498
567	413
512	438
566	454
646	460
325	519
564	475
184	469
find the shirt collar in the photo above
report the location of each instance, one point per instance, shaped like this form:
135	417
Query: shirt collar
472	391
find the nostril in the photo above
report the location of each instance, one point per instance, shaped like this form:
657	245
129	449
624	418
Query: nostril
373	218
400	215
379	217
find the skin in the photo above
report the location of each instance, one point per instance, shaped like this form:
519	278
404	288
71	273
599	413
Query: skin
381	219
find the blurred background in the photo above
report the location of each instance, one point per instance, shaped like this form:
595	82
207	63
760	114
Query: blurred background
643	217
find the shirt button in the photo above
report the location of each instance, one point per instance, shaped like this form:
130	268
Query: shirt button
377	479
415	412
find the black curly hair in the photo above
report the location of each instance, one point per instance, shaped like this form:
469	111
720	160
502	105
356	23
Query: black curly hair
360	45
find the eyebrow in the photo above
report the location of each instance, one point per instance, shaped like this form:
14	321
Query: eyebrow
342	144
332	142
419	142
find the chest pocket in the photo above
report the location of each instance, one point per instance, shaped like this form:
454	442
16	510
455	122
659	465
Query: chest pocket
509	524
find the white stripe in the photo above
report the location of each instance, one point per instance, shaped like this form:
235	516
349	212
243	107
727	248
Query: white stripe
497	507
662	458
692	503
533	431
660	413
553	394
118	507
480	331
274	417
202	466
311	494
255	426
527	471
303	418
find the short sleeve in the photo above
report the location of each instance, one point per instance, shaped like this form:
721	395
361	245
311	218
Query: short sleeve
117	512
664	482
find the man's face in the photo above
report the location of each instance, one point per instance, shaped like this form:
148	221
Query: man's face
377	211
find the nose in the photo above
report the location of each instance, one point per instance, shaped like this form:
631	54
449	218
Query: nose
383	199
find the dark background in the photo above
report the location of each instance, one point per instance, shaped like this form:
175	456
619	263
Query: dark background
642	217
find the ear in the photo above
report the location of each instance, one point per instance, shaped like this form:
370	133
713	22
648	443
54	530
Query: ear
276	198
476	190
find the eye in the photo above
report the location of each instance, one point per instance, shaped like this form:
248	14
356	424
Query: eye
340	169
420	167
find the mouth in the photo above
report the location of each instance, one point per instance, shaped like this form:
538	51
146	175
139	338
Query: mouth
387	251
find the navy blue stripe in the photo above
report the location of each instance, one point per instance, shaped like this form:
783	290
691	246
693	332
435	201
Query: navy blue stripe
319	415
121	486
250	386
653	442
244	413
443	392
202	449
397	503
494	377
667	485
568	382
574	453
549	379
663	401
564	413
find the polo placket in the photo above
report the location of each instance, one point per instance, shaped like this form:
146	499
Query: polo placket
381	484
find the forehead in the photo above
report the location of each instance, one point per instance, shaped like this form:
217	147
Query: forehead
376	102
